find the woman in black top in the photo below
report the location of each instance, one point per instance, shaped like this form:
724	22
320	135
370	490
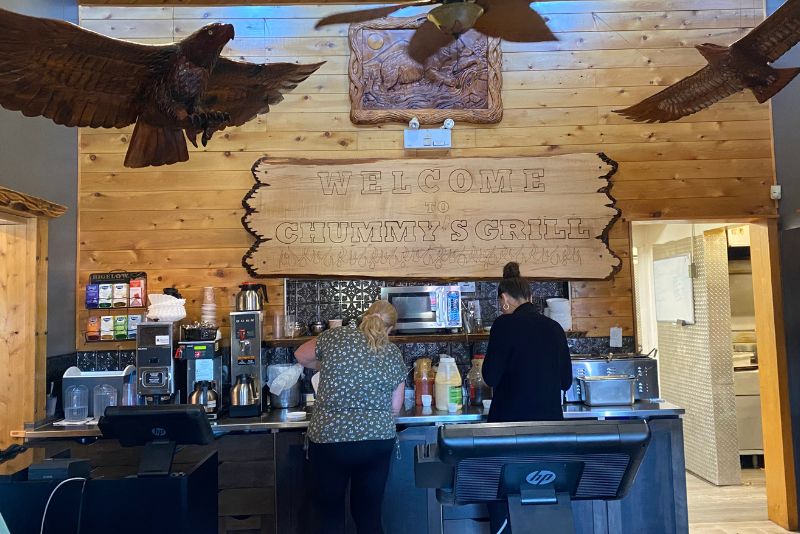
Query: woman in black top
527	362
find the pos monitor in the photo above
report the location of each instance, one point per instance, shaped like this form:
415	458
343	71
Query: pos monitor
537	468
159	428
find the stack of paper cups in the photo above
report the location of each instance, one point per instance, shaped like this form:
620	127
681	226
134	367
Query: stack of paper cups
208	310
560	311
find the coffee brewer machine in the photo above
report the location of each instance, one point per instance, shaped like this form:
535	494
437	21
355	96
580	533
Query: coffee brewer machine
246	371
155	365
203	365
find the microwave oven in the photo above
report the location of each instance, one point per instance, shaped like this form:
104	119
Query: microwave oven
425	308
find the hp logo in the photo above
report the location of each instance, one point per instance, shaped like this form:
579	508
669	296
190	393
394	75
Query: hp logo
540	478
160	432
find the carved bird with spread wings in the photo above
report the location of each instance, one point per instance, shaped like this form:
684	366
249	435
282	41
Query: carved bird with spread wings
512	20
730	69
76	77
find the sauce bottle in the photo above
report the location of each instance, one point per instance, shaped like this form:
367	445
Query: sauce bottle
478	390
423	379
448	385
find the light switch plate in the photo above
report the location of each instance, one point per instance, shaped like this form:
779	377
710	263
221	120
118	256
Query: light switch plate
427	138
616	337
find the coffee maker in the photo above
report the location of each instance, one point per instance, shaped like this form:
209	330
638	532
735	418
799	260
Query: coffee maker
155	365
203	363
246	370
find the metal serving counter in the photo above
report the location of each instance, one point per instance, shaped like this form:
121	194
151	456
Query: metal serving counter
277	420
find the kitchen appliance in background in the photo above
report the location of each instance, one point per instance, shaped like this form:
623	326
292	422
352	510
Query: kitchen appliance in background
643	368
425	308
206	396
203	363
607	390
155	348
245	365
251	297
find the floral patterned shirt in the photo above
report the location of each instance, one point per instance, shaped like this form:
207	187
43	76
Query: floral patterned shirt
354	399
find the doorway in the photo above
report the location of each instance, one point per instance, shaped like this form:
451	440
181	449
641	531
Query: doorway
704	299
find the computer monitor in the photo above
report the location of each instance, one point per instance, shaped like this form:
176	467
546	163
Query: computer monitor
159	428
538	468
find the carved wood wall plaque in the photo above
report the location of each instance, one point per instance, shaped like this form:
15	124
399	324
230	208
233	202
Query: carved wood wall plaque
462	81
432	218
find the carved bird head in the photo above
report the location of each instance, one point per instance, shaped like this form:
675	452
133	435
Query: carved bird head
205	45
713	53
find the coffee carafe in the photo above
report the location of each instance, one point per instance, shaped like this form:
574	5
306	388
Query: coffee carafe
206	396
251	297
243	394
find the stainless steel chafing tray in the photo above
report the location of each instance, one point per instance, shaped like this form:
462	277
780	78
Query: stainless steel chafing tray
610	390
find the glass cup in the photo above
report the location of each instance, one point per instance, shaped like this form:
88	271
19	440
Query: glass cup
129	397
427	400
105	395
76	404
278	325
290	326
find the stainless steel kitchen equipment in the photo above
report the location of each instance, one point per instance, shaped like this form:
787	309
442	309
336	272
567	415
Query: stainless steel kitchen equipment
243	393
644	369
203	363
425	308
155	362
246	329
610	390
206	396
251	297
290	397
748	411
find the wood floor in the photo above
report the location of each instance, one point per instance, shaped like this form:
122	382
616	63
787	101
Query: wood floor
730	509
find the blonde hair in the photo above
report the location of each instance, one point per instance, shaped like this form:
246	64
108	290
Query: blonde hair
374	323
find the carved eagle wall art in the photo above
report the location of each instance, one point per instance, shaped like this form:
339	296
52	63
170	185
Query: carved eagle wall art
512	20
77	77
730	69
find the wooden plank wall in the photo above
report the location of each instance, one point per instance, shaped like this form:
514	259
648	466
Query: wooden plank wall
181	223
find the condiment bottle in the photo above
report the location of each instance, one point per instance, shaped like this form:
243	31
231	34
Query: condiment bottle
423	379
448	384
478	390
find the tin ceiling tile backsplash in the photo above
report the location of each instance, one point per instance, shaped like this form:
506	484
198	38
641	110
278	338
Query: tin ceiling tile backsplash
696	363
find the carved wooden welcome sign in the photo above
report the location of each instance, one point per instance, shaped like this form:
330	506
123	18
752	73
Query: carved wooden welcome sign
431	218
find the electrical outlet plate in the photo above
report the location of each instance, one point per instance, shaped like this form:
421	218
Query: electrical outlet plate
439	138
467	287
616	337
775	192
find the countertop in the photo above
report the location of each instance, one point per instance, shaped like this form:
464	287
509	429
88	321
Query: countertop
277	420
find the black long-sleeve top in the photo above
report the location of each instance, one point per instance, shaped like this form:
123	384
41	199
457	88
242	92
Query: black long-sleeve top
528	365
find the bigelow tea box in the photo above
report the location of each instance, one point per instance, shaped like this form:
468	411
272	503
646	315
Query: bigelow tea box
137	287
120	295
105	296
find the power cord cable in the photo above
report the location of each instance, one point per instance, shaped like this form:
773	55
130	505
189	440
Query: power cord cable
52	493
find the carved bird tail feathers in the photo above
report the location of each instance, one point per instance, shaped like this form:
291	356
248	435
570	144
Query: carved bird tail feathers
155	146
765	92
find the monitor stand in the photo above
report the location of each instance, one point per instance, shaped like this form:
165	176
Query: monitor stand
538	496
156	459
549	512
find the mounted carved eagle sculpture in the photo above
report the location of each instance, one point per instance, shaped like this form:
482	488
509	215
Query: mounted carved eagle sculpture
76	77
730	69
512	20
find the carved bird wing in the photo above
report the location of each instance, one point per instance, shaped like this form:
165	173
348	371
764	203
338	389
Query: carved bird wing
73	76
364	15
426	41
243	90
776	35
512	20
690	95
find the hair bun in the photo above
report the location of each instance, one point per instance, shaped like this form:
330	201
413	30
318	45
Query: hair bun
511	270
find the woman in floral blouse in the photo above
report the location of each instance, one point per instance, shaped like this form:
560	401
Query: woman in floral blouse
352	432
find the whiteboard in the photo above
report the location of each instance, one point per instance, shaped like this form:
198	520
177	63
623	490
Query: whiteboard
673	289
